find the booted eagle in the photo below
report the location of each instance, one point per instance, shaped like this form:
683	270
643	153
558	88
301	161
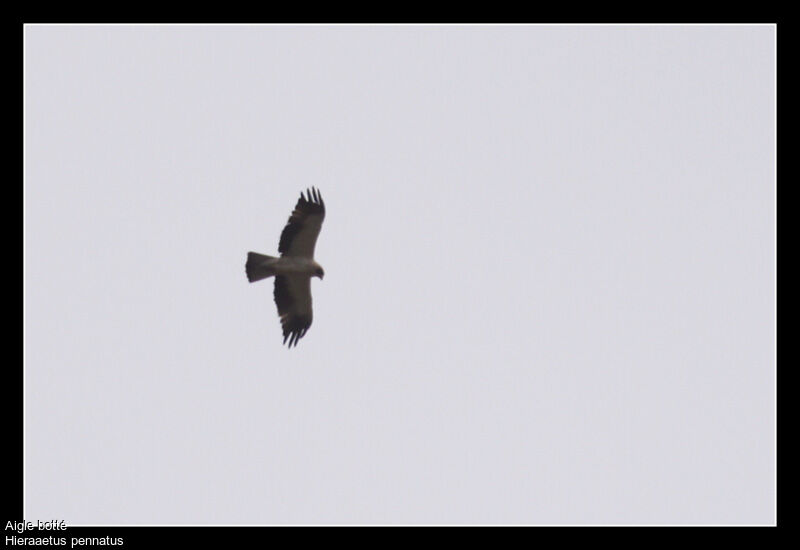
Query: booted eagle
296	266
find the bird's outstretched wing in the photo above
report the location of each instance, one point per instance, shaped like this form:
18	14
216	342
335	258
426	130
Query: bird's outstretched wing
300	234
293	298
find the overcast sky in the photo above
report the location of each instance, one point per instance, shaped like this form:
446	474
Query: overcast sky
550	274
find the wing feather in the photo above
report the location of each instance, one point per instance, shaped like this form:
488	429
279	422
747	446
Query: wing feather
299	237
293	298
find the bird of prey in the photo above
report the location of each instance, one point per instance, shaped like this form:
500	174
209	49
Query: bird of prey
296	266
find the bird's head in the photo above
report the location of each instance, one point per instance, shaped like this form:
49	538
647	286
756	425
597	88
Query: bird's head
319	273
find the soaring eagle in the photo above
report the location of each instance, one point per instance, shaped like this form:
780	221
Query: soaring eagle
296	266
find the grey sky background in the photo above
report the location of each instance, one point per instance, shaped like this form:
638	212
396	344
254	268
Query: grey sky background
550	274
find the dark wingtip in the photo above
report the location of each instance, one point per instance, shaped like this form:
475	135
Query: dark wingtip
312	195
294	337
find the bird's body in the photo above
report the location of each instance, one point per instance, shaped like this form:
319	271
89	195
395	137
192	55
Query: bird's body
295	267
289	265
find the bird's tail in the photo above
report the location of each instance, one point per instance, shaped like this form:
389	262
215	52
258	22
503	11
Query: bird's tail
259	266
